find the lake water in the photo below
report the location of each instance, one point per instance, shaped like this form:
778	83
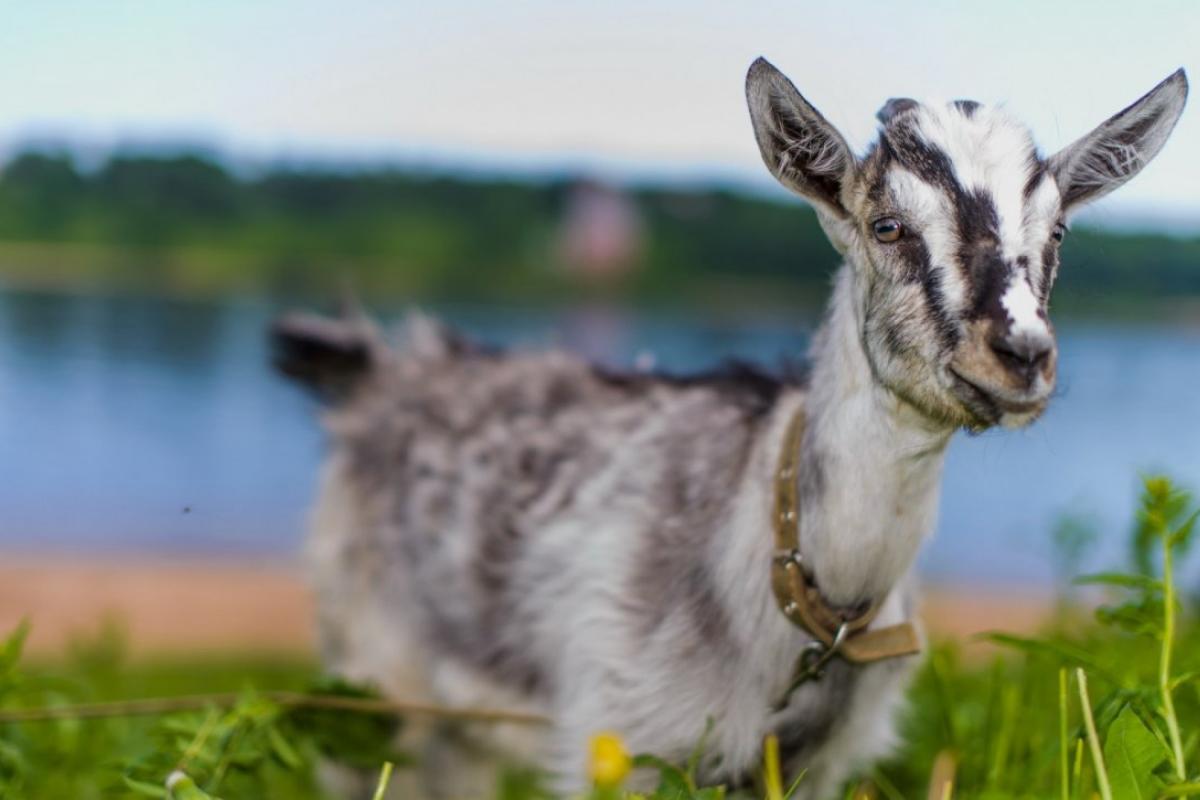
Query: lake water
155	426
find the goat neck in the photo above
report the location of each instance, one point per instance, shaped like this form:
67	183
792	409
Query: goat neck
870	464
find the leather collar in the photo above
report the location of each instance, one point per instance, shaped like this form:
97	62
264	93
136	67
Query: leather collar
840	631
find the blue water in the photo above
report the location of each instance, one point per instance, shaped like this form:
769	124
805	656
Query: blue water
153	426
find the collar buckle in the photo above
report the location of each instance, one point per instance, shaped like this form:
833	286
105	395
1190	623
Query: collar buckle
810	666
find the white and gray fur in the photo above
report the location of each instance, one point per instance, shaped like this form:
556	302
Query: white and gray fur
529	530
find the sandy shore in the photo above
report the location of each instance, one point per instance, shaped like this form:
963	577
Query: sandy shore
177	607
161	606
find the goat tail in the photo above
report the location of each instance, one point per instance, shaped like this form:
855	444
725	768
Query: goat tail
332	356
328	356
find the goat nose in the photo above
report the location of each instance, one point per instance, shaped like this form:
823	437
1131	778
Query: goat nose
1025	355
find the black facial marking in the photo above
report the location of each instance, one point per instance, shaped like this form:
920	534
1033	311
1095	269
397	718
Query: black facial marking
933	166
894	107
875	165
894	338
977	217
991	279
928	162
975	211
936	300
915	258
1049	269
1037	172
977	222
978	231
967	107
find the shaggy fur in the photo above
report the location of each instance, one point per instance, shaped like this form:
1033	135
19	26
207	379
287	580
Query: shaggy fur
528	530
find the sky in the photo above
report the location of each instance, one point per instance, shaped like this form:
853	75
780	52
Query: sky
626	89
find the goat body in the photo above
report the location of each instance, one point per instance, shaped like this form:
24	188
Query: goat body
528	530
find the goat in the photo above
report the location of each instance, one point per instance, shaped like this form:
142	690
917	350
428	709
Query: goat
643	554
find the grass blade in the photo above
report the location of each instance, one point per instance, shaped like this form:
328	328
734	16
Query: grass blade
385	777
1092	737
941	778
1064	756
772	776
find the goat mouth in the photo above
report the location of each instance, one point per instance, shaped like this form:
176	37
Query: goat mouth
984	404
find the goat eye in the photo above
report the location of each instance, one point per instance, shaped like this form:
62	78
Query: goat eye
1058	232
888	229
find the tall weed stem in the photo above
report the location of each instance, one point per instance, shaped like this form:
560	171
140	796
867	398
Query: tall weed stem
1164	664
1092	737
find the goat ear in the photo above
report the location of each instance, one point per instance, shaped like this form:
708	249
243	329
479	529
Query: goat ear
1119	148
798	145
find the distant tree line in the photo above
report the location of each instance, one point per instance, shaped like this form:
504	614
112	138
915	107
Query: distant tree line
186	223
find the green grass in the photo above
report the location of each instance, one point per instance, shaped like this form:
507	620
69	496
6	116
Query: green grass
1108	707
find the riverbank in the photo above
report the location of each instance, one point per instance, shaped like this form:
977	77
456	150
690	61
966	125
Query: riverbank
167	607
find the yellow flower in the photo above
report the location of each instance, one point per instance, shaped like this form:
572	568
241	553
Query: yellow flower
608	760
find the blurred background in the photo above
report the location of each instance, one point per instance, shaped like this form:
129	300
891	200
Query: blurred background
540	174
